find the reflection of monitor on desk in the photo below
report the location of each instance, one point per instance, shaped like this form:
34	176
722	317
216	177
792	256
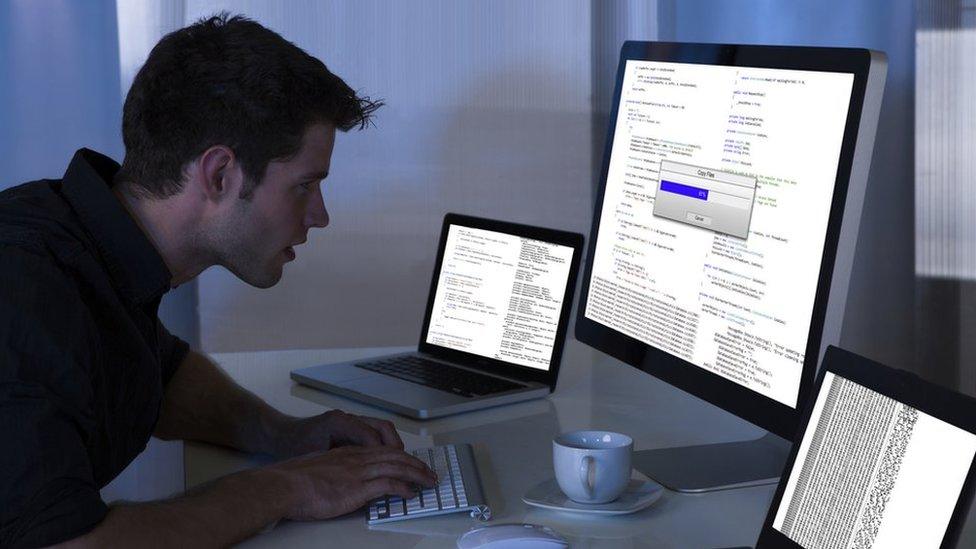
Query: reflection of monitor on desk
724	232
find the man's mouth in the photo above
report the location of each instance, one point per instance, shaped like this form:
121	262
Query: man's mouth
290	253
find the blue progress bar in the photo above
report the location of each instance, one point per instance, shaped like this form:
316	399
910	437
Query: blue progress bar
678	188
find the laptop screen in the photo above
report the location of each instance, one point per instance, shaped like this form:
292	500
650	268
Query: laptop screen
499	296
873	472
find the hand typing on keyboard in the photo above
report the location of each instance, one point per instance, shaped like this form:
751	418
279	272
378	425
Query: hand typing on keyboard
329	484
458	489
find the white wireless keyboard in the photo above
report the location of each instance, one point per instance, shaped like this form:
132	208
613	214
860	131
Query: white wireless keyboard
458	489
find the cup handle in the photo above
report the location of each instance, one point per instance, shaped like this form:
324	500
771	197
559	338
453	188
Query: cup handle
586	464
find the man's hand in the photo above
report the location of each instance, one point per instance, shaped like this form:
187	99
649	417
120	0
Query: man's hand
298	436
225	512
333	483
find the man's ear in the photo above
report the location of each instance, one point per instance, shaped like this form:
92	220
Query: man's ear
219	173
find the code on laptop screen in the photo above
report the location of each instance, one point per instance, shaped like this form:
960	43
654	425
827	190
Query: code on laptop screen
499	296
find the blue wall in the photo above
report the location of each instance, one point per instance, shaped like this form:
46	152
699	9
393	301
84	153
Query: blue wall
59	91
59	85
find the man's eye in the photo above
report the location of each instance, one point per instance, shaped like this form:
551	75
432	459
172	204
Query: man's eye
307	185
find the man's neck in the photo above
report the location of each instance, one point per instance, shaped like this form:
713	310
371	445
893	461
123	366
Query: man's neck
164	224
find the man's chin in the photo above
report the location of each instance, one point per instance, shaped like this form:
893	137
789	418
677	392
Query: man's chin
262	280
264	284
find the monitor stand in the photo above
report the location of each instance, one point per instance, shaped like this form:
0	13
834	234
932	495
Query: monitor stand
712	467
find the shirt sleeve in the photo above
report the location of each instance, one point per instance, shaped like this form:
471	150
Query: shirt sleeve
172	351
47	490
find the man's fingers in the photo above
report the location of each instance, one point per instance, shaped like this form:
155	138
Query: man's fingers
387	486
398	471
399	457
386	429
395	455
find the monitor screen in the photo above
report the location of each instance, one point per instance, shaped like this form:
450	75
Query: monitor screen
873	472
499	296
715	213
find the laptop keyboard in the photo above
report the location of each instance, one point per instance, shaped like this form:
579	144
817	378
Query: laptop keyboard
438	375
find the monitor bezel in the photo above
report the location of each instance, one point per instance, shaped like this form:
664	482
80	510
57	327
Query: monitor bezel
491	365
758	409
951	407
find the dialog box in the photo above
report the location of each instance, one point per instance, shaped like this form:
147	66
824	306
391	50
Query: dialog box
704	197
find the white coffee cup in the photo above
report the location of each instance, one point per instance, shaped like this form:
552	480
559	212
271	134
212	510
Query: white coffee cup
592	466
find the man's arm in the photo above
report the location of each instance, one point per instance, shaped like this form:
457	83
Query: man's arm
203	403
227	512
310	487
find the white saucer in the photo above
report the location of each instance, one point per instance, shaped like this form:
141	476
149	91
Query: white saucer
638	495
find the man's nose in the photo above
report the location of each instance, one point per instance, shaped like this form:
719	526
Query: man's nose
317	215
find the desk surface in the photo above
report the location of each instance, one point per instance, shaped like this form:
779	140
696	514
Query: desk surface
512	445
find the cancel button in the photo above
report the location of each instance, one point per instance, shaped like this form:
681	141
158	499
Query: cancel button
698	219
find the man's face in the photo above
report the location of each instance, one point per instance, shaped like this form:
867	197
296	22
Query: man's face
258	237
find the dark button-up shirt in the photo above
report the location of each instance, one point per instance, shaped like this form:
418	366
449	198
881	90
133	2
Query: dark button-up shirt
84	358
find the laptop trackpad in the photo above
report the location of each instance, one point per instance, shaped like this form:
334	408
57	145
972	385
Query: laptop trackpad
340	374
402	392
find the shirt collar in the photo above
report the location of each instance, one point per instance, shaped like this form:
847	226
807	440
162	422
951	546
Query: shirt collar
136	268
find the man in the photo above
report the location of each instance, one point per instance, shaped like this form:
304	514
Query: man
228	130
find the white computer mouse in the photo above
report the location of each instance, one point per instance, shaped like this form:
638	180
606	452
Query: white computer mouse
512	536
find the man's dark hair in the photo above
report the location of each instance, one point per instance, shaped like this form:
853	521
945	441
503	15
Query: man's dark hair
227	81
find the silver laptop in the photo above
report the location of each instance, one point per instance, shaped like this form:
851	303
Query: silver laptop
493	333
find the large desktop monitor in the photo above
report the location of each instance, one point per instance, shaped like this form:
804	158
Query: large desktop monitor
724	232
